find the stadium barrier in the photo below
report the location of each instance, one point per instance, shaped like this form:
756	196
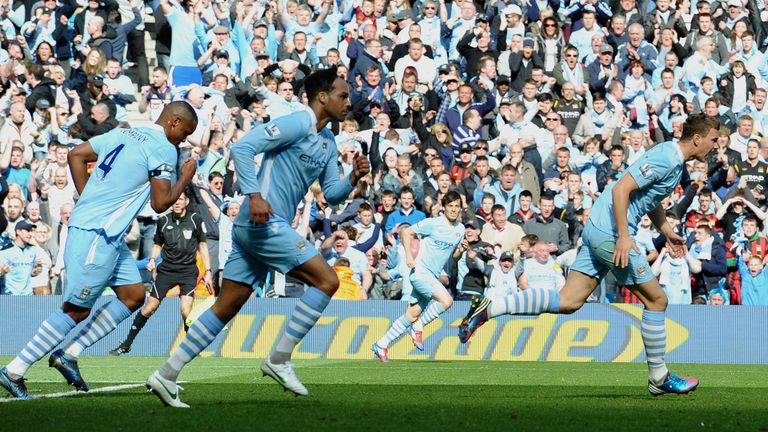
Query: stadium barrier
604	333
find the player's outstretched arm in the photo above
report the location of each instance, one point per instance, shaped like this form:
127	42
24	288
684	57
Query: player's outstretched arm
621	193
79	158
163	194
336	190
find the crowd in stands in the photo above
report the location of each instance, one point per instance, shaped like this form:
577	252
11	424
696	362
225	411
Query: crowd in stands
528	109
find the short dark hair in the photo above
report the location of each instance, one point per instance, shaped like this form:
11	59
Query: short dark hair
699	124
320	81
451	196
364	207
388	193
546	197
525	193
497	207
405	190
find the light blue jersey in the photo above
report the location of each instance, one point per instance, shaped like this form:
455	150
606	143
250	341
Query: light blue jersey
21	261
657	172
439	239
119	187
295	155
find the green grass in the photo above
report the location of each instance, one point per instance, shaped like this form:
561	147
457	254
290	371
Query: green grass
408	395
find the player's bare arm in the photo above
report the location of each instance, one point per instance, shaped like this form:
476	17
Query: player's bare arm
79	158
621	193
163	194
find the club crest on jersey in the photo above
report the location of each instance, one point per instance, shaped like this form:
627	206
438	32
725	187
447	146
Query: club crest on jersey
84	293
641	271
646	170
301	246
272	130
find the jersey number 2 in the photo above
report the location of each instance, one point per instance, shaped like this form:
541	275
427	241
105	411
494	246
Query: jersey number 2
106	166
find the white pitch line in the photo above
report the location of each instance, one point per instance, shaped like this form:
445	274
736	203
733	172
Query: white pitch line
78	393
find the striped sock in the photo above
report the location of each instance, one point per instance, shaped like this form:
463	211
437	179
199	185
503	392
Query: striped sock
397	329
101	323
304	316
532	301
430	313
655	340
50	334
199	336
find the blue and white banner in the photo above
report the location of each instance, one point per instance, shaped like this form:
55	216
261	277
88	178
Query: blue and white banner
604	333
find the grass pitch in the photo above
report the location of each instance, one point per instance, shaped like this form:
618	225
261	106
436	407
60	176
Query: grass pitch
228	394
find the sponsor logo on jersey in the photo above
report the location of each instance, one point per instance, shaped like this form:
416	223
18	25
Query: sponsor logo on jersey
312	162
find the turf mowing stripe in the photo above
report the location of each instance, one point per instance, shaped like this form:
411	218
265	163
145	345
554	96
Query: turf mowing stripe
78	393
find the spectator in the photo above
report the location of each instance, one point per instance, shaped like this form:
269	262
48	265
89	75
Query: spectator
405	176
503	281
540	270
550	230
337	246
754	280
21	262
406	213
502	234
674	276
708	264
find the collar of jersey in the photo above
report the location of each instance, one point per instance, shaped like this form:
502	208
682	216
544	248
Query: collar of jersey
312	121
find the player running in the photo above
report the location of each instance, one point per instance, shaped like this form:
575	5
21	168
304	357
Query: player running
132	167
442	238
608	246
298	149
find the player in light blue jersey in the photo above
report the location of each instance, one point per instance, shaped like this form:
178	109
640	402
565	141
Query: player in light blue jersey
608	246
133	166
442	238
298	149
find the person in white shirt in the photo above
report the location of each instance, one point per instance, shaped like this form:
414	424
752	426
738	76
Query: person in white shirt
503	281
425	66
540	270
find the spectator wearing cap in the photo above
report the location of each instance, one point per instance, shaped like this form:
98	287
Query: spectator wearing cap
91	94
214	62
510	25
21	261
263	39
473	265
425	67
463	168
582	38
603	70
521	64
735	13
502	281
184	70
474	55
40	28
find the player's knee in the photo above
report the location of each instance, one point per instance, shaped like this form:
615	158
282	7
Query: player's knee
569	306
447	303
329	284
657	303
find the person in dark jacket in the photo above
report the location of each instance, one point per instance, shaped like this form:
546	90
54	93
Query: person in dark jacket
708	249
521	64
728	84
41	87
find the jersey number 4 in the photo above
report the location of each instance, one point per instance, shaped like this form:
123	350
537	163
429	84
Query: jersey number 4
109	159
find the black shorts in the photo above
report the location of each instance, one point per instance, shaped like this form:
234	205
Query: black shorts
168	276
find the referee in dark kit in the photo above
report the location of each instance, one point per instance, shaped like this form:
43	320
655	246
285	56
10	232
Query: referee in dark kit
179	236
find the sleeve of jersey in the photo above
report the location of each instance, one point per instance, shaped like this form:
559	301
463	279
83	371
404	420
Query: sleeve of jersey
335	189
159	237
651	167
279	133
423	228
200	227
99	142
162	163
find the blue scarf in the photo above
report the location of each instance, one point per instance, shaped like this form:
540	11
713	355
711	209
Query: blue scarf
598	120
